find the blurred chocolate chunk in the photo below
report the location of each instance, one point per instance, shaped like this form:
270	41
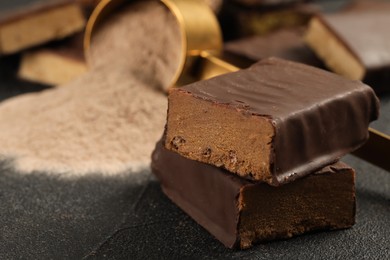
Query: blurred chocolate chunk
355	45
54	64
286	44
27	23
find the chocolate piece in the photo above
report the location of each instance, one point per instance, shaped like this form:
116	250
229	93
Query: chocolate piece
285	44
355	45
27	23
274	122
367	5
239	21
239	212
54	64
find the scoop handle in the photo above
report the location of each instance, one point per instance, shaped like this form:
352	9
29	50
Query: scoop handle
376	150
212	65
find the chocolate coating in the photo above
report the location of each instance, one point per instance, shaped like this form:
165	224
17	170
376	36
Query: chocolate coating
180	179
366	35
318	116
239	212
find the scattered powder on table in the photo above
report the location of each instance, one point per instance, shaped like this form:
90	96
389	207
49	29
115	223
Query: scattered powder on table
109	119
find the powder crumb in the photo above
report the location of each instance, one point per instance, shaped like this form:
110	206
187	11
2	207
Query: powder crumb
109	119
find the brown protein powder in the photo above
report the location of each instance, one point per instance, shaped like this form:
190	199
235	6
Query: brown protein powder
109	119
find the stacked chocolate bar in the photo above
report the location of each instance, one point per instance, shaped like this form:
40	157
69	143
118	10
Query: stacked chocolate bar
355	44
28	23
253	155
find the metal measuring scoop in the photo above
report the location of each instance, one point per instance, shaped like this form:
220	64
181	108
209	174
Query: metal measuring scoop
201	38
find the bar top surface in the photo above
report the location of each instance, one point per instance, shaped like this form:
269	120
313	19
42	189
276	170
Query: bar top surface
275	87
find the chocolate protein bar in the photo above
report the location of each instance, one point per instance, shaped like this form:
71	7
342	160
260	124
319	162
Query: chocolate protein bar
274	122
27	23
56	63
355	45
240	213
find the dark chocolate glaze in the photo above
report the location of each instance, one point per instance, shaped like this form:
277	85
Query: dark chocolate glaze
285	44
183	181
210	194
318	116
367	36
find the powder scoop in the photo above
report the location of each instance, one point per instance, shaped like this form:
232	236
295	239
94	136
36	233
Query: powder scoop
201	38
